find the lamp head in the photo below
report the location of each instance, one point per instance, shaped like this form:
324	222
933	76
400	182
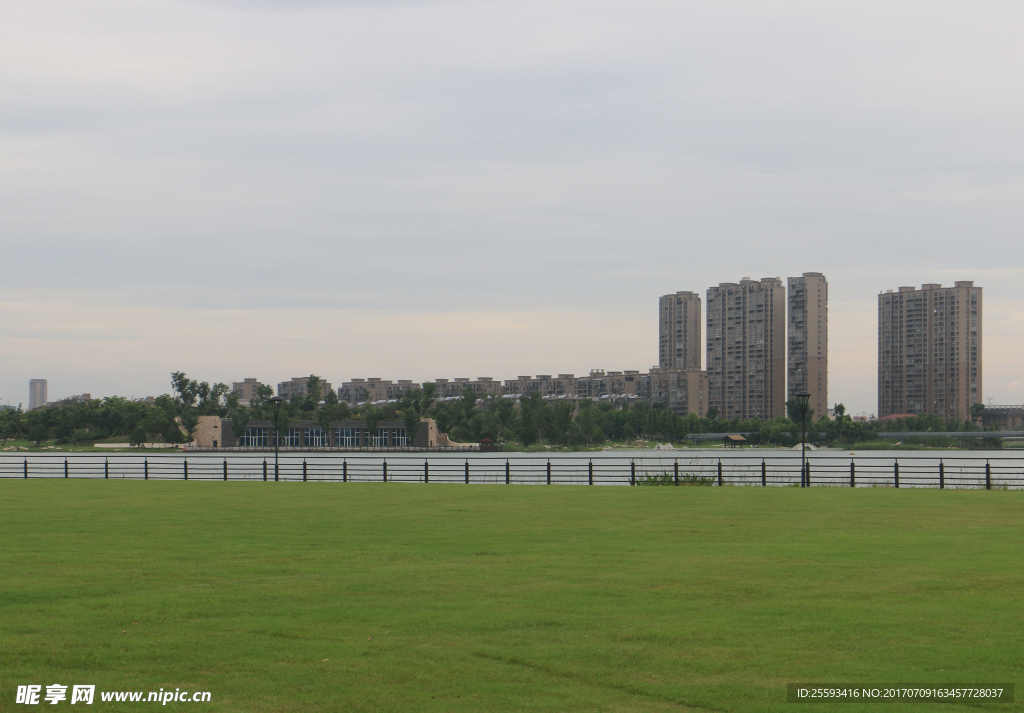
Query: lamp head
276	400
803	397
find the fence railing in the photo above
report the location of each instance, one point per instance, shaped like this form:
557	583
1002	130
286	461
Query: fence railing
739	470
228	450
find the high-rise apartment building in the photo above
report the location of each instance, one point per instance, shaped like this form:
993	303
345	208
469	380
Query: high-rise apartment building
929	350
808	340
36	393
679	342
746	348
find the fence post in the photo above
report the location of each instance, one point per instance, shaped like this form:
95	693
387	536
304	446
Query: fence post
145	468
632	472
719	472
988	476
807	467
853	474
764	474
675	472
65	467
467	471
185	461
942	475
426	471
26	468
303	470
344	470
264	469
225	469
590	472
549	471
508	472
106	468
896	472
385	465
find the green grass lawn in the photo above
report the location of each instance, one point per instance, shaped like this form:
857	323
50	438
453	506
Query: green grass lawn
390	597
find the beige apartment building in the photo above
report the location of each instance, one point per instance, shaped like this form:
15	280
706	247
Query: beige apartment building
374	389
297	385
546	384
483	386
679	342
613	383
807	368
246	389
746	348
684	391
929	350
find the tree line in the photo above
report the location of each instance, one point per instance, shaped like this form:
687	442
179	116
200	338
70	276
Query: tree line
534	421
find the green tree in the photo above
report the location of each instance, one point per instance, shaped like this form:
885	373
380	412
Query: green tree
138	436
314	392
190	420
371	416
324	416
977	410
240	416
427	397
155	421
411	419
38	432
187	389
711	413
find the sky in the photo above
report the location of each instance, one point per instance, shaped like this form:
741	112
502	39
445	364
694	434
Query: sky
418	189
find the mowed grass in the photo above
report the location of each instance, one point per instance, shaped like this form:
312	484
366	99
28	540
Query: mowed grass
391	597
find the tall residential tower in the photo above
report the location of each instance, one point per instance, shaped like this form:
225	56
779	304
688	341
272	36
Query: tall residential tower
746	342
808	340
36	393
929	350
679	342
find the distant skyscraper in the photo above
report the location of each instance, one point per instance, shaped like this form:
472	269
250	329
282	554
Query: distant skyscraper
679	342
929	350
36	393
746	342
808	340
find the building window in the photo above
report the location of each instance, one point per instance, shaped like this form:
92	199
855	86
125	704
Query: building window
346	437
315	438
253	438
293	438
381	439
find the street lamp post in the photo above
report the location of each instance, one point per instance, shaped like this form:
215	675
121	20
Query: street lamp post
802	399
276	400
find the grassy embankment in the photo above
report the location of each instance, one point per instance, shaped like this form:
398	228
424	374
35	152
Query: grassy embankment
380	597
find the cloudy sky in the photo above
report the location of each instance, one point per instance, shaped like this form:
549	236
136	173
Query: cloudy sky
430	189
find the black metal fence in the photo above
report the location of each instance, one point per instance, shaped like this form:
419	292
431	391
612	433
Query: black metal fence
724	470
